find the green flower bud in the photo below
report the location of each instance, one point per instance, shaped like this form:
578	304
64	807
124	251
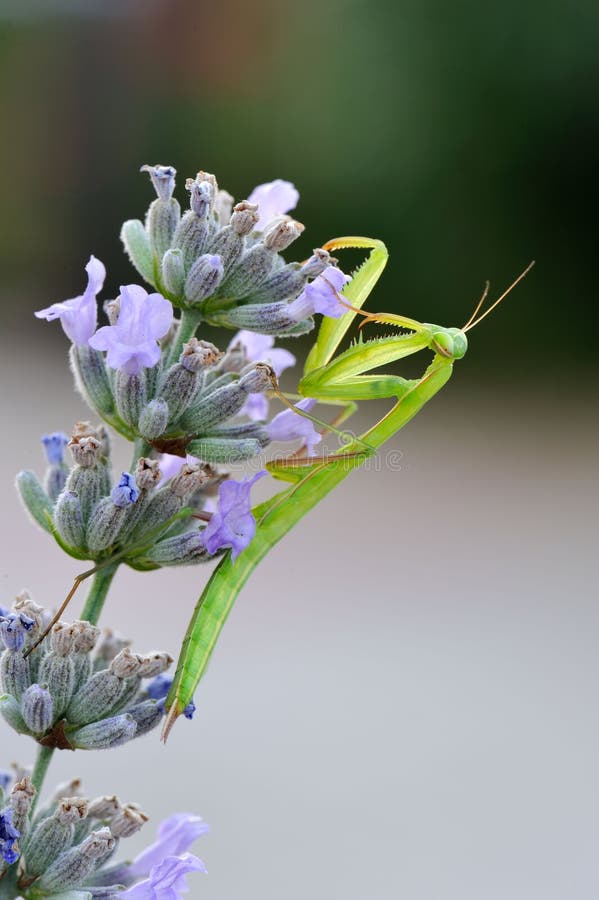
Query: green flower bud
137	246
35	499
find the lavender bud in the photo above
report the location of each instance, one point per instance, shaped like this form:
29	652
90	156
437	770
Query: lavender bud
127	821
110	645
130	394
191	237
147	473
161	222
281	233
224	450
21	798
202	194
37	709
15	673
54	445
11	712
154	419
126	491
190	478
173	272
105	734
254	267
73	867
179	388
85	448
91	378
154	664
198	355
147	715
259	378
182	549
264	318
68	519
223	204
204	277
101	693
214	408
137	246
58	673
244	218
14	628
104	807
163	180
35	499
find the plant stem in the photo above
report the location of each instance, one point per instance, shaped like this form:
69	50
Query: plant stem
97	593
188	324
44	755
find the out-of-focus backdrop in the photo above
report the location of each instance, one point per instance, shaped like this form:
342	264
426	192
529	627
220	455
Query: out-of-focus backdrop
404	702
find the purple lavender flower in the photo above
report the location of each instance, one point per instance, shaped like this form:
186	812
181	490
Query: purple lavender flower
126	491
54	445
167	880
79	316
289	426
13	629
232	525
275	198
321	296
175	836
8	837
158	689
260	348
131	343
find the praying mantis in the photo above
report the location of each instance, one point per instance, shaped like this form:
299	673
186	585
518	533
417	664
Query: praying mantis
341	379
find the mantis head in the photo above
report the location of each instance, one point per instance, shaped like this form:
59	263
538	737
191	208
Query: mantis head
449	342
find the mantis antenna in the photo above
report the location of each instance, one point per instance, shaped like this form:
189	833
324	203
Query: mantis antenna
478	305
471	324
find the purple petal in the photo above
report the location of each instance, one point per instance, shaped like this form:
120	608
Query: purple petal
167	880
143	319
256	408
79	316
232	525
175	835
289	426
275	198
321	296
260	348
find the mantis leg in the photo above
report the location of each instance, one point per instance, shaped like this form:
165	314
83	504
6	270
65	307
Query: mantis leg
274	519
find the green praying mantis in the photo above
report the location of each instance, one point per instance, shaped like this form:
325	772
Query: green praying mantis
342	379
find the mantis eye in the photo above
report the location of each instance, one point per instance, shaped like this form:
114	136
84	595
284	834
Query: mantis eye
443	343
460	344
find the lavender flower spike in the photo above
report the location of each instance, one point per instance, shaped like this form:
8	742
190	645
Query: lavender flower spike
175	836
232	525
166	880
274	199
289	426
131	343
321	296
260	348
79	316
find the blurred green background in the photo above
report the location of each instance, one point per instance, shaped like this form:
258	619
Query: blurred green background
464	135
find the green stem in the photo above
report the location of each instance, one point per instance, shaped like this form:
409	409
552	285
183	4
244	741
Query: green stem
188	325
97	593
44	755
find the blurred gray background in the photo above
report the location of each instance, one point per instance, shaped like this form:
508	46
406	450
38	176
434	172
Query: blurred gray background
404	701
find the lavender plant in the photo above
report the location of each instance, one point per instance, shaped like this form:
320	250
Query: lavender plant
188	408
